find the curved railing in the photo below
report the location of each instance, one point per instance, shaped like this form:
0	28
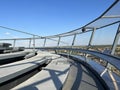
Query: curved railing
91	47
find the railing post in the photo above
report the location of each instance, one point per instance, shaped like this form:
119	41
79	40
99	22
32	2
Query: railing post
30	43
91	38
116	41
112	53
73	42
34	43
44	43
90	42
108	66
58	44
14	43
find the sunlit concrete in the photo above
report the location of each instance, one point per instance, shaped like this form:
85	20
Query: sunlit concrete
12	70
52	77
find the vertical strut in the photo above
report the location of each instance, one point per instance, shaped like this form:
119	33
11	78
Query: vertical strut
73	42
90	42
108	66
44	43
30	43
91	38
14	43
58	41
33	42
116	41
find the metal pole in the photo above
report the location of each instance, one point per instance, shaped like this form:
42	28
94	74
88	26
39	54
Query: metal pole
90	42
73	42
44	42
58	42
30	43
116	41
57	51
33	42
91	38
14	43
108	66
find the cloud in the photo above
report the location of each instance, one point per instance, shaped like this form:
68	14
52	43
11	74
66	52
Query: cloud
7	33
10	35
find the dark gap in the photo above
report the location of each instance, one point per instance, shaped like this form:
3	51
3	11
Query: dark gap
21	78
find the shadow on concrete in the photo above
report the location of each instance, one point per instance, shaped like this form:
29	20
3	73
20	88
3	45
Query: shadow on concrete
53	77
83	80
32	62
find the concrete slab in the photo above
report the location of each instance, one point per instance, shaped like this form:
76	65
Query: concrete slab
12	70
51	77
13	55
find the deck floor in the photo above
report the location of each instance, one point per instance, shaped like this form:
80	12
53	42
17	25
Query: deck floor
60	73
52	77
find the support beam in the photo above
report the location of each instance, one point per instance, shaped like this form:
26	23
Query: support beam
90	42
14	42
57	51
108	66
44	42
58	42
30	43
73	42
33	43
111	16
91	38
116	41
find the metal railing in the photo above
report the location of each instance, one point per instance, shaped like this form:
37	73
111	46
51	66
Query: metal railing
59	44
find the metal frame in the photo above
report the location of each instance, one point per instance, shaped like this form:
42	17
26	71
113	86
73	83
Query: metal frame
110	58
58	42
30	43
44	42
14	43
107	57
116	40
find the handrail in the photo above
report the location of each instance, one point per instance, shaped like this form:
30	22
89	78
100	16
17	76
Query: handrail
90	27
107	57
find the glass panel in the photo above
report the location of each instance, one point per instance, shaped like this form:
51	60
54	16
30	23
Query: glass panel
22	43
51	42
66	41
104	38
117	51
82	39
39	42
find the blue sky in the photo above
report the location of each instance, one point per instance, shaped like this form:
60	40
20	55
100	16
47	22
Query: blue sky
49	17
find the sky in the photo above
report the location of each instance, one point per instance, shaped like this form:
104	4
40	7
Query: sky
48	17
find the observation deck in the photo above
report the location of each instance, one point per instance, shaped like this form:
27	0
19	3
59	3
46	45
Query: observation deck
67	61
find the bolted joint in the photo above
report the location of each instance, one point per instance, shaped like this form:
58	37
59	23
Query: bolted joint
83	29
